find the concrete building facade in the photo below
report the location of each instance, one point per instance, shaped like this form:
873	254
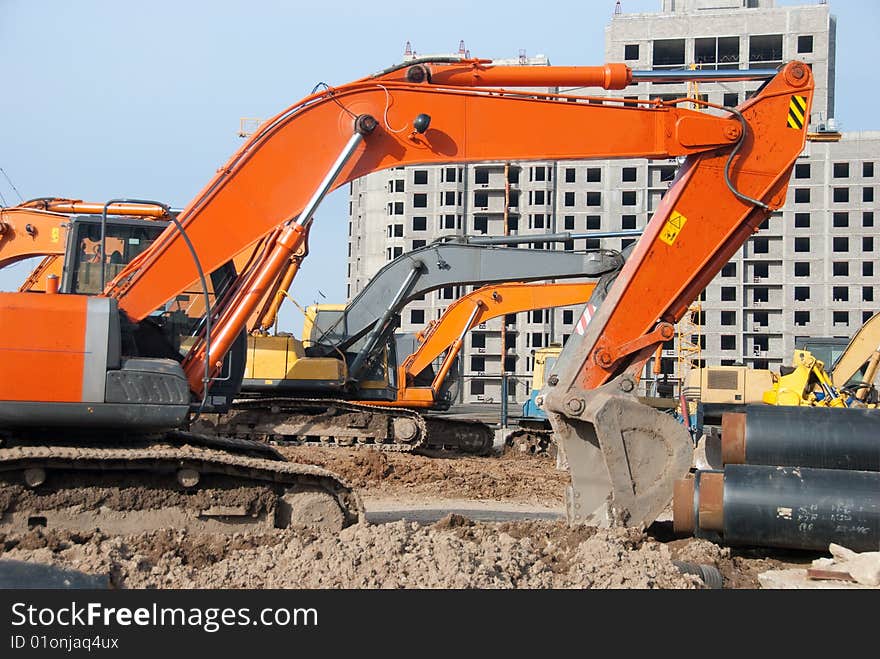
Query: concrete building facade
809	271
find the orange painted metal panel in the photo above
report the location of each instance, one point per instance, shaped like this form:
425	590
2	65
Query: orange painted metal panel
489	302
26	233
697	227
42	347
36	281
494	301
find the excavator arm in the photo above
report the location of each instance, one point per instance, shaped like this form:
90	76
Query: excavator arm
863	347
623	459
37	280
623	455
365	325
27	232
446	335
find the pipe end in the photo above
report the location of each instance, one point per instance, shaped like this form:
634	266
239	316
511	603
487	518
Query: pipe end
733	438
711	504
683	507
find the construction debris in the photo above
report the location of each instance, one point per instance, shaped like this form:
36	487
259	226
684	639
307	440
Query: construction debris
845	569
863	568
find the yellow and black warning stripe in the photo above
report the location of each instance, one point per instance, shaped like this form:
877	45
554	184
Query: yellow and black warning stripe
797	111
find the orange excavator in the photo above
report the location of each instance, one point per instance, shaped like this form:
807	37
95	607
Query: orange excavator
39	228
445	336
100	406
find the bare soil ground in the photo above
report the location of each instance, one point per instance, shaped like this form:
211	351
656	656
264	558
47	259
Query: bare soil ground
512	477
454	552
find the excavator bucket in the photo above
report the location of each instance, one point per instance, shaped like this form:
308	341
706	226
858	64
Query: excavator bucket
624	457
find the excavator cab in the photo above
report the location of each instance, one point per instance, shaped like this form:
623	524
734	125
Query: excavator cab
126	363
125	238
545	360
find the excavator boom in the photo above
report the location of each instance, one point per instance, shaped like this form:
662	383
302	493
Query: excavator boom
863	347
333	137
465	127
366	322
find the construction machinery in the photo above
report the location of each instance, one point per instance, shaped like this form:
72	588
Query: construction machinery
534	434
349	382
285	387
327	388
109	415
40	228
855	370
804	383
849	381
446	335
397	404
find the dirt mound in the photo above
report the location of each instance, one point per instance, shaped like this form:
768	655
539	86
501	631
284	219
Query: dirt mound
452	521
455	554
512	476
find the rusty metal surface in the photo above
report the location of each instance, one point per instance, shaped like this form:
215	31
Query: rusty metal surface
711	504
733	438
683	521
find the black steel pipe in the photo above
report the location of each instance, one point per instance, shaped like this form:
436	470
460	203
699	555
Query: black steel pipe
820	437
795	508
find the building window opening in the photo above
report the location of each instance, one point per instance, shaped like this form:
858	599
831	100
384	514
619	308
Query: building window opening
670	52
765	48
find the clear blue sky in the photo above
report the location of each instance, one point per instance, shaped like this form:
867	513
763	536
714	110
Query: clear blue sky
110	98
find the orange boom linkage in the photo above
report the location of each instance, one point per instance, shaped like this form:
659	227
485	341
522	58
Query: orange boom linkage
624	457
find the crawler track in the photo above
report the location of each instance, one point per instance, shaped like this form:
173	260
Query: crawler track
329	422
178	480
